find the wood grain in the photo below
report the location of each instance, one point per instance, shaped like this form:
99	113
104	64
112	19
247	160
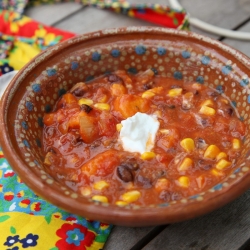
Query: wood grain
52	13
224	229
92	19
123	238
222	13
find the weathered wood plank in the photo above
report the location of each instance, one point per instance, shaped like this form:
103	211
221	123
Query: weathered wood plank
52	13
91	19
222	13
123	238
224	229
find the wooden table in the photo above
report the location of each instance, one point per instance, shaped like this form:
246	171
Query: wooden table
225	229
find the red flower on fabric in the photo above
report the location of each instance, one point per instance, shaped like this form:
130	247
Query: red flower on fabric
74	237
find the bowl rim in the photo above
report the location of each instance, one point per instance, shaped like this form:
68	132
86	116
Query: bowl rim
145	216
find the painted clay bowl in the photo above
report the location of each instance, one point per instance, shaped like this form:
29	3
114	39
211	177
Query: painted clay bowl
178	54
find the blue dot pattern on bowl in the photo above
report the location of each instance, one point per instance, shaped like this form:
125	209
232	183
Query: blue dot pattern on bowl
161	51
74	65
140	50
115	53
162	58
186	54
96	56
36	88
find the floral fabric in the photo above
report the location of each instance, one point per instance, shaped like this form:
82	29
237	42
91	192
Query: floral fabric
28	221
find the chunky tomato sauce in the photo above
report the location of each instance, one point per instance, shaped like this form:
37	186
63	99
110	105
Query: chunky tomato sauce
196	146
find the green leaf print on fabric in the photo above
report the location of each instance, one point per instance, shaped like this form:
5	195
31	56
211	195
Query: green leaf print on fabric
4	218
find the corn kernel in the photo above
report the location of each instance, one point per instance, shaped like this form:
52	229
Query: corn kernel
164	131
216	172
211	152
102	106
100	198
131	196
223	164
184	181
221	155
147	94
100	185
207	103
148	156
161	184
85	101
236	144
186	164
205	110
187	144
121	203
47	160
156	90
175	92
118	127
85	191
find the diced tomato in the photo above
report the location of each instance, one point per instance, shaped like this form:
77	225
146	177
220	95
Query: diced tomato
68	98
102	164
169	139
88	128
129	105
118	89
48	119
106	124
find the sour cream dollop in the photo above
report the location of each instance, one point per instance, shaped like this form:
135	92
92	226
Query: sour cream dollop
138	133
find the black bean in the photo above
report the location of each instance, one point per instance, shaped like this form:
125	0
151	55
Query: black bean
143	181
202	164
112	78
165	195
158	174
176	196
171	106
200	143
147	86
124	173
86	108
132	165
229	111
204	122
78	92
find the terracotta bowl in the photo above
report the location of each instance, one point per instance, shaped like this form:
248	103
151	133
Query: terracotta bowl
178	54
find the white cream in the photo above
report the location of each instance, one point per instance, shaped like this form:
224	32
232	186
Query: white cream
138	132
